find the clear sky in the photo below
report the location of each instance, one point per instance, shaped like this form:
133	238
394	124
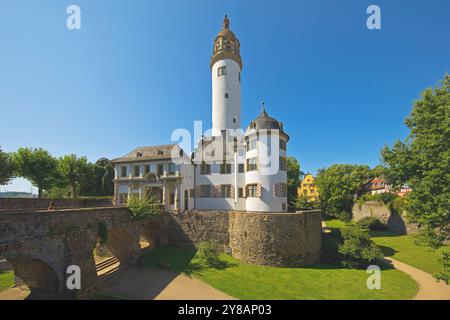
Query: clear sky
139	69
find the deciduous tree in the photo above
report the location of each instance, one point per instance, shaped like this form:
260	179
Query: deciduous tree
36	165
338	185
6	168
423	162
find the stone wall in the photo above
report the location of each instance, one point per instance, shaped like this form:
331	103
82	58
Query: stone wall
193	227
393	221
30	204
276	239
40	245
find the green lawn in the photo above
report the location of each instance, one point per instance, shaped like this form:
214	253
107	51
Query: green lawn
245	281
403	248
6	280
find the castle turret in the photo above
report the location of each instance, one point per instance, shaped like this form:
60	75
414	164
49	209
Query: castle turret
226	66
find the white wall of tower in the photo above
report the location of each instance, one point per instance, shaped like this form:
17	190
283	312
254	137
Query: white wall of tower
226	96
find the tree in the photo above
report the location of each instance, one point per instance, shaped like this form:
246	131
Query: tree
422	162
303	203
105	176
75	172
36	165
293	180
338	185
6	168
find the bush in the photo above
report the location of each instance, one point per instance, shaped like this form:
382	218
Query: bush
371	223
143	207
358	250
209	252
386	197
345	216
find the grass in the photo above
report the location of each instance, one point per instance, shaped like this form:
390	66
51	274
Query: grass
403	248
245	281
6	280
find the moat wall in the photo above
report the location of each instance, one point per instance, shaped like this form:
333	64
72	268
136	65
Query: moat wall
274	239
29	204
393	221
40	245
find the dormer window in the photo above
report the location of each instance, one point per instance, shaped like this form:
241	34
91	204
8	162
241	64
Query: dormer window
160	152
139	154
221	71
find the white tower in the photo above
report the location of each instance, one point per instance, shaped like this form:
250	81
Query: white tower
226	66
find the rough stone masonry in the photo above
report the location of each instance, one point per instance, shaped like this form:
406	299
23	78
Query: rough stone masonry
40	245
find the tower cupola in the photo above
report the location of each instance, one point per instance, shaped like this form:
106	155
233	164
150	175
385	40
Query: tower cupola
226	45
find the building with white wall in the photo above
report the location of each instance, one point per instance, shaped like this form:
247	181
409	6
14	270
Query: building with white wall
233	169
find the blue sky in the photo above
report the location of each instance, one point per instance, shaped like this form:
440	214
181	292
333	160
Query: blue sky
139	69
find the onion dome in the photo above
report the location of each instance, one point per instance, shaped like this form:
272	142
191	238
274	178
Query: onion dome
226	45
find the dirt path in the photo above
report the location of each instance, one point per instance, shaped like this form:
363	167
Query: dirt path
158	284
429	289
15	293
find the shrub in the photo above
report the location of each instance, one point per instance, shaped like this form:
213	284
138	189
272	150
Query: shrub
371	223
209	252
397	205
143	207
383	197
358	250
345	216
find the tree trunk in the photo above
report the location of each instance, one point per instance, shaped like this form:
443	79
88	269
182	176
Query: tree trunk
74	191
39	192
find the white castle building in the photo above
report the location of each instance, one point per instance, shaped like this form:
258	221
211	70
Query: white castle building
233	169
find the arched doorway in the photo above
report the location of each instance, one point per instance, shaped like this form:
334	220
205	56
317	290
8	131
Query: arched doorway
154	192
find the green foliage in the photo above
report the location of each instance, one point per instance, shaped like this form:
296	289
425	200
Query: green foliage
74	172
422	162
338	185
345	216
445	274
371	223
6	168
397	205
143	207
358	250
208	252
36	165
386	197
304	203
293	181
102	232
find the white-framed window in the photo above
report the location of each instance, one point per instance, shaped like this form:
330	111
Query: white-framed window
205	191
136	171
172	169
225	191
205	169
252	190
123	171
225	168
252	164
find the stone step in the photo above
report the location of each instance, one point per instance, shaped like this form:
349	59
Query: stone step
106	263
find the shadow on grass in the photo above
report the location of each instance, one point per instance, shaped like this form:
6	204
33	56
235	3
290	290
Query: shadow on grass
180	260
384	234
387	251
